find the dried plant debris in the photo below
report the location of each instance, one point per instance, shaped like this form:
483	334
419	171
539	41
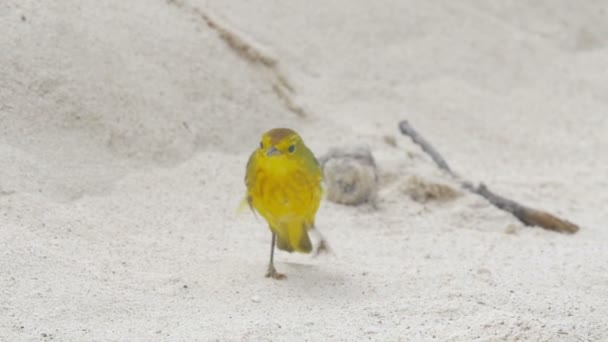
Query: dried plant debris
351	176
251	52
390	140
423	191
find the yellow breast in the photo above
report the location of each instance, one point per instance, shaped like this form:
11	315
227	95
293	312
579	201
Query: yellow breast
282	192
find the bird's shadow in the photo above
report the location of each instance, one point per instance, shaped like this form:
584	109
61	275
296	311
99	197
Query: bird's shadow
316	278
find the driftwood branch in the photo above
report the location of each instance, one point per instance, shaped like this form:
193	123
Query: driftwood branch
408	130
527	215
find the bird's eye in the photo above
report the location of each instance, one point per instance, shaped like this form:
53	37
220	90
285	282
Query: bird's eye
292	148
261	145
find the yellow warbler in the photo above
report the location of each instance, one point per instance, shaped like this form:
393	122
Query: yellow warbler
283	180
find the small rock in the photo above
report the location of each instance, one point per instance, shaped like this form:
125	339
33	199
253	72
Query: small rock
256	299
350	176
484	271
512	229
371	330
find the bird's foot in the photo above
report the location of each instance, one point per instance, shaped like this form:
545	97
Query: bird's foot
272	273
323	247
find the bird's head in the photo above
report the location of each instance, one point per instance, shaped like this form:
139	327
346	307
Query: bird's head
280	142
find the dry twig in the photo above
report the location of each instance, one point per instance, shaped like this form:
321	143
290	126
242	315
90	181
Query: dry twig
527	215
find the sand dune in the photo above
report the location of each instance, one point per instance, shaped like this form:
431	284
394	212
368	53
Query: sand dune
125	127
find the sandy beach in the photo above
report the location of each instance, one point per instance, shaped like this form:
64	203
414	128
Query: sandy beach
125	127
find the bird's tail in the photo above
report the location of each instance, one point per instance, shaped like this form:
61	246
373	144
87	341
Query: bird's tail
294	237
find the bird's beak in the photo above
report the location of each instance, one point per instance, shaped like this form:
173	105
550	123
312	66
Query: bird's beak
272	151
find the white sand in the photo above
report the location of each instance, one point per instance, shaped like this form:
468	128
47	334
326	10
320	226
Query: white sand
126	125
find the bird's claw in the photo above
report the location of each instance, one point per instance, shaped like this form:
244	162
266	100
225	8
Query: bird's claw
272	273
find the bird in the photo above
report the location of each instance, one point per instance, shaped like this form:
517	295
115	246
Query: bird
284	185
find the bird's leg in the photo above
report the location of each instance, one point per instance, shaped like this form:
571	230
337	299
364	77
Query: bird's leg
323	246
272	272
